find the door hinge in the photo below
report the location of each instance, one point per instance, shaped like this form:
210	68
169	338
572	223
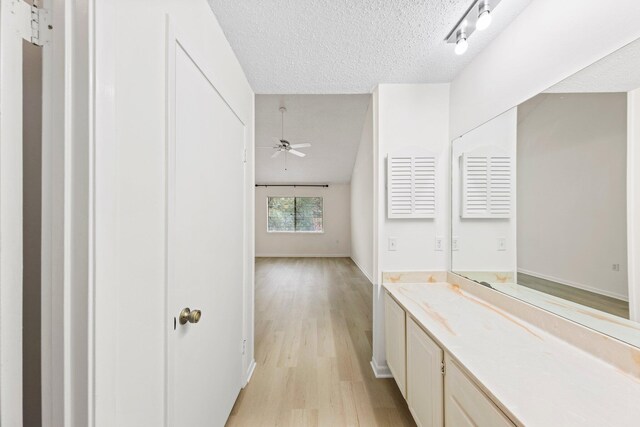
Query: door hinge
244	347
35	25
244	156
443	368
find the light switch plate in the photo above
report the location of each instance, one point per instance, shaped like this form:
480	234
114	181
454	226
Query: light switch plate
393	243
502	244
439	241
454	243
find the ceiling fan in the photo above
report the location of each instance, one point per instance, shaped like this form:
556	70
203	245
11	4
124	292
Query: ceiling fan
284	146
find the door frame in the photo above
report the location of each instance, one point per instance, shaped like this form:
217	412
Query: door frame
176	38
633	202
56	261
10	217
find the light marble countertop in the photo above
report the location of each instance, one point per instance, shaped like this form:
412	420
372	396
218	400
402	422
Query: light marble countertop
536	378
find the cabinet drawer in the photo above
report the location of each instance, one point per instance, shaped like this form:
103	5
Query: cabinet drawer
395	341
425	383
465	404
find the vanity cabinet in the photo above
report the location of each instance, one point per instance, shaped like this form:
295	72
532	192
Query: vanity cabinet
465	404
424	377
395	341
437	391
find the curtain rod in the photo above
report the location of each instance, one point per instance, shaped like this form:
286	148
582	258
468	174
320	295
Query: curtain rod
293	185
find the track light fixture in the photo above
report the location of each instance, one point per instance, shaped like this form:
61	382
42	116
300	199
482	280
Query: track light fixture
477	17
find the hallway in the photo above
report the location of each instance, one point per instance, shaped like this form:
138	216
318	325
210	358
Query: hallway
313	350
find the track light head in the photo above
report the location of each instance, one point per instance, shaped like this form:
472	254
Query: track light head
484	15
461	42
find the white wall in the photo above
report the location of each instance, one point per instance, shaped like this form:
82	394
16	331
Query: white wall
548	41
572	190
130	202
335	241
362	200
407	116
633	201
572	208
478	238
413	116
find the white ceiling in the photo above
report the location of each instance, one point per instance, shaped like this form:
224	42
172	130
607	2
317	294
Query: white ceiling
331	123
349	46
617	72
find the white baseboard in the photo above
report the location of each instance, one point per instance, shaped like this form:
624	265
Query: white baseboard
380	371
575	285
252	367
303	255
367	275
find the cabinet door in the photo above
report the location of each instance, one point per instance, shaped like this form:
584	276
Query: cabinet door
395	340
465	404
425	382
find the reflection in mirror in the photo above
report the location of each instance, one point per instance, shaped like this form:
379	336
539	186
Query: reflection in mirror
539	197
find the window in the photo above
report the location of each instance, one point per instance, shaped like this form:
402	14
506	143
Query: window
295	214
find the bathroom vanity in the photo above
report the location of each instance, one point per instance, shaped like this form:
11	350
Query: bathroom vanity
462	360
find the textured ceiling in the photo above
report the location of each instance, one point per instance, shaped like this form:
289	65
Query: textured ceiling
331	123
349	46
618	72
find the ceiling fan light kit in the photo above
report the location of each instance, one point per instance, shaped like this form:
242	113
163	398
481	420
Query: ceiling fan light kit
284	146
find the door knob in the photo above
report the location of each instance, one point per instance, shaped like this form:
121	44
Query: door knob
191	316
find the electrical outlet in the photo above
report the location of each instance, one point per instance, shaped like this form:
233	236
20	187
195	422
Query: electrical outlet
438	243
615	267
502	244
393	243
454	243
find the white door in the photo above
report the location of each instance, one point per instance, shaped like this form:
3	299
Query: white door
205	244
395	341
425	382
14	25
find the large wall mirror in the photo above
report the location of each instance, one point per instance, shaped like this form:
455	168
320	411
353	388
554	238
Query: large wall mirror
540	195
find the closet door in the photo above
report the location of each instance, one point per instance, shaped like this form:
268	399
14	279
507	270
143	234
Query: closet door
425	383
395	341
465	404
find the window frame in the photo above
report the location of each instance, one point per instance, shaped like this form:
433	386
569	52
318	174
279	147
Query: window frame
294	220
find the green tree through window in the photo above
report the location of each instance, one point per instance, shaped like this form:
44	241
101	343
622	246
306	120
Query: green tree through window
295	214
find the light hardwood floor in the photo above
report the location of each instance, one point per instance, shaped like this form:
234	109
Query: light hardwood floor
313	348
590	299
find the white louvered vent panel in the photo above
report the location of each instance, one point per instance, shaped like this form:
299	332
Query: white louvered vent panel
486	186
411	186
424	186
500	189
400	185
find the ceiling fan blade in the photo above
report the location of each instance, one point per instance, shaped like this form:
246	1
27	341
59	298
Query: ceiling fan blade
276	154
297	153
304	145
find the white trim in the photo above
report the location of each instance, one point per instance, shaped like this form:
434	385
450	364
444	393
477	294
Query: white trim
633	193
303	256
11	239
249	373
103	343
367	275
380	371
575	285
